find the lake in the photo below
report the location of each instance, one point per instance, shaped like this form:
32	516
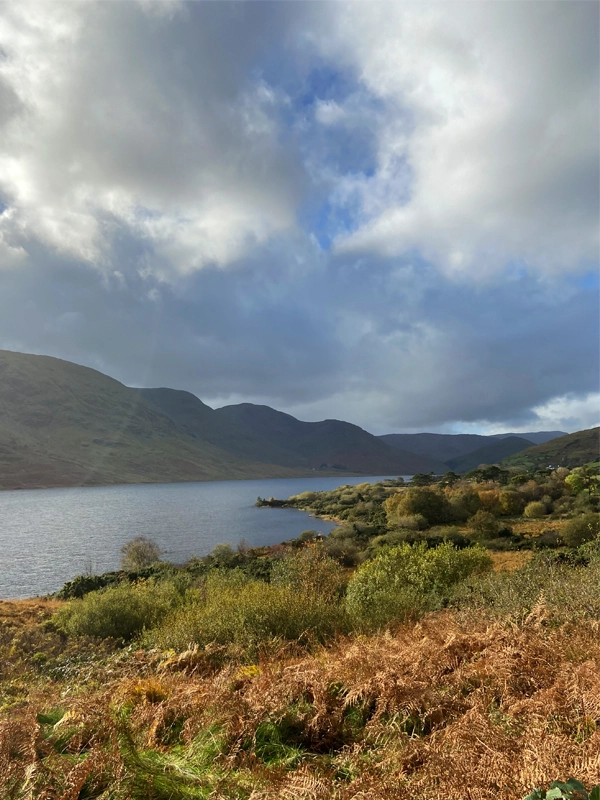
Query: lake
48	536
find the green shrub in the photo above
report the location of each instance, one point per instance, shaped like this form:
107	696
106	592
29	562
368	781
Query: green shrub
236	610
120	612
464	503
139	553
581	529
433	505
510	502
409	580
484	525
310	571
411	522
571	790
535	510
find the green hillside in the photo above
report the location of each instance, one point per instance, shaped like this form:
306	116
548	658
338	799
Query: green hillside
195	418
572	450
63	425
66	425
490	453
328	444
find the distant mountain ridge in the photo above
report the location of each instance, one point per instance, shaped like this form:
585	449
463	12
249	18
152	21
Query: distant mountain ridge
490	453
462	452
62	424
571	450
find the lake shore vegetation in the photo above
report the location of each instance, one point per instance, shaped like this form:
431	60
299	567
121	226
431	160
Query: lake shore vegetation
441	642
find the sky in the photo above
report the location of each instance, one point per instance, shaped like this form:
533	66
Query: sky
386	213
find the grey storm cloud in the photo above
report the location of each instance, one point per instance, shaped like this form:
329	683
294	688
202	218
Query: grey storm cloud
386	213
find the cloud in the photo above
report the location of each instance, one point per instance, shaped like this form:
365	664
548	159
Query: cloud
380	212
494	107
122	116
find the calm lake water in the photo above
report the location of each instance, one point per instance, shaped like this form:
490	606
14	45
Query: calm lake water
48	536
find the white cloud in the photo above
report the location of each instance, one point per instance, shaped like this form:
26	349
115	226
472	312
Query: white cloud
570	412
328	112
116	121
502	100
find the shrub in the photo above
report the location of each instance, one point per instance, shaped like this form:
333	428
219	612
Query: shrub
412	522
568	592
409	580
510	503
311	571
484	525
464	503
248	613
581	529
419	500
120	612
139	553
535	510
490	501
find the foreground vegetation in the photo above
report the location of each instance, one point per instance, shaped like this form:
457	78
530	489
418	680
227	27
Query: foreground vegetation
419	672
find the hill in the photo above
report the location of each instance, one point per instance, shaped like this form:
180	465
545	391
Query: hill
62	424
536	437
447	447
66	425
572	450
439	446
194	418
490	453
328	444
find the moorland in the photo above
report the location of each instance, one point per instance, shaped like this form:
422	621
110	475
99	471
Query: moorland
441	643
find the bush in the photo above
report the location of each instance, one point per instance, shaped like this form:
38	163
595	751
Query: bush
431	504
408	581
464	503
511	503
139	553
412	522
535	510
120	612
311	571
233	609
581	529
484	525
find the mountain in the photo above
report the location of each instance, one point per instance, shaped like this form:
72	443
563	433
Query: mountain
536	437
572	450
193	417
331	443
448	447
491	453
66	425
439	446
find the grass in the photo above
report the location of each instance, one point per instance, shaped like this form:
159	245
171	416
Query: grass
487	699
423	711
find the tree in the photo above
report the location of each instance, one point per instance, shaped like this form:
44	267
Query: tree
139	553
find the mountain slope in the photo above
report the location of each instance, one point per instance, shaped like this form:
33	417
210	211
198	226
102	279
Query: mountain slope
572	450
331	443
194	418
536	437
490	453
62	425
439	446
